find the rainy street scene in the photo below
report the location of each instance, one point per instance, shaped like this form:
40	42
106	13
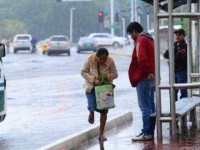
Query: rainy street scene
100	75
46	100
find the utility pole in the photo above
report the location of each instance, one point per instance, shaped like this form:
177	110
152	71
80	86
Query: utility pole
148	22
135	11
132	9
74	0
71	23
124	33
147	9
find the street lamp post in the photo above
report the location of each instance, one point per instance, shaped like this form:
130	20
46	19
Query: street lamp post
147	10
133	10
139	12
71	23
123	14
112	16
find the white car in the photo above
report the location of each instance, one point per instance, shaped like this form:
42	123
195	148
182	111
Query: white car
3	97
22	42
58	44
106	39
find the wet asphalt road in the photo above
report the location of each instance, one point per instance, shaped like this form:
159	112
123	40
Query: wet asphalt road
46	100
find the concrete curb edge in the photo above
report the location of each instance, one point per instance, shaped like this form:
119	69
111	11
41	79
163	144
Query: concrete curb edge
76	139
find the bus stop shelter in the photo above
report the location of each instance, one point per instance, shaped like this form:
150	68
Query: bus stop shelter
169	10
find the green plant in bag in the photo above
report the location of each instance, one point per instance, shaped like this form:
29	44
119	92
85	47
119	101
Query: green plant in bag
104	81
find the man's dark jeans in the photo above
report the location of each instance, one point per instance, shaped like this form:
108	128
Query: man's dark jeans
181	77
152	125
145	92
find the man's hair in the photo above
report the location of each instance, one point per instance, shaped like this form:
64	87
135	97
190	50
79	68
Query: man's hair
134	26
102	51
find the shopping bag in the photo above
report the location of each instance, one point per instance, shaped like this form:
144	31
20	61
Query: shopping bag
104	96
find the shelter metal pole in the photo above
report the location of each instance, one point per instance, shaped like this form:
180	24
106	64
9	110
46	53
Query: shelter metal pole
198	38
157	65
171	70
189	49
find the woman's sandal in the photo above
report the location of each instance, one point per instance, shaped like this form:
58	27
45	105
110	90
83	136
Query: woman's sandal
102	138
90	120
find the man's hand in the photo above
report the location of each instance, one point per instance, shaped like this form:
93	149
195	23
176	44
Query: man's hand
151	76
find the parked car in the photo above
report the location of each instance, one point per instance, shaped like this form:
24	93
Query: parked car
22	42
86	44
58	44
3	101
106	39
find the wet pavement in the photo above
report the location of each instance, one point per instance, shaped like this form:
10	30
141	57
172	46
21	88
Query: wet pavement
120	139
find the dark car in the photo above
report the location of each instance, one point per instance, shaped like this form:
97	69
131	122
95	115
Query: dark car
86	44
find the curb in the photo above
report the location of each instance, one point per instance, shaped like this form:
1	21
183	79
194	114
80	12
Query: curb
75	140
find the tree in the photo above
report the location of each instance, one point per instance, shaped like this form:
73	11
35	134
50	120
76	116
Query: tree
11	27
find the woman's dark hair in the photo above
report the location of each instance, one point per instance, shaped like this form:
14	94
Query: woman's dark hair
134	26
102	51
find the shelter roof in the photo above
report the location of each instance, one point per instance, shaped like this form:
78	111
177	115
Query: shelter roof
163	4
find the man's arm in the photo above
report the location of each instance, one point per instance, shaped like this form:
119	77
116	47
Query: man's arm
143	58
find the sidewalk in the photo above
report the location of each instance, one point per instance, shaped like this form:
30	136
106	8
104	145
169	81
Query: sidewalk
120	139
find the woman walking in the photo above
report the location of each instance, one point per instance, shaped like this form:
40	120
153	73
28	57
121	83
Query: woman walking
98	64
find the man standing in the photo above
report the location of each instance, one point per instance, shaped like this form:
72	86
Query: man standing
142	76
180	61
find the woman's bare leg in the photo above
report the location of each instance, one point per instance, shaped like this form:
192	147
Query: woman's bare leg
103	118
91	117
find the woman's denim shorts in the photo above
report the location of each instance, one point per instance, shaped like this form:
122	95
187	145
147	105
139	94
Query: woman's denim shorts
92	102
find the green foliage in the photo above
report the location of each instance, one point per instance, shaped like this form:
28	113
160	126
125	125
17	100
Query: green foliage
11	27
43	18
